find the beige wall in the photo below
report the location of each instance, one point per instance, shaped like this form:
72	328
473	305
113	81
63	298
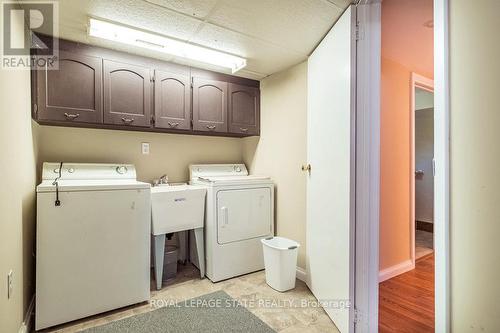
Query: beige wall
281	149
170	153
475	160
17	194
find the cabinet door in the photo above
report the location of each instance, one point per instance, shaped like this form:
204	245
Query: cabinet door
172	100
73	92
209	105
127	94
244	109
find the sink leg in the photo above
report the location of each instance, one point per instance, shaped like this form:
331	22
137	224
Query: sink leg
200	249
182	239
159	252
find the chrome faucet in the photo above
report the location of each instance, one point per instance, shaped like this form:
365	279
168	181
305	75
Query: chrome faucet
163	180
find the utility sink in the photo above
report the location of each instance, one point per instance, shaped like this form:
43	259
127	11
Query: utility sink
177	208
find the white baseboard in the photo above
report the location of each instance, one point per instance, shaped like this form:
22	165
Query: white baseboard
301	274
28	318
395	270
424	220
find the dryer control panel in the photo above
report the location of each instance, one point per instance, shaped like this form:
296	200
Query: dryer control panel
217	170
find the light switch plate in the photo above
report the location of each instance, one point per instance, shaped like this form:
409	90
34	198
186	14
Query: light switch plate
145	148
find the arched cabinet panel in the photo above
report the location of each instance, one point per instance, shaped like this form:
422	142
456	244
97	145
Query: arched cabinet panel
72	92
209	105
172	101
127	94
244	109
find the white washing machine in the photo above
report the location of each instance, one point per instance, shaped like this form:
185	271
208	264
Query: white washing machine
93	241
239	213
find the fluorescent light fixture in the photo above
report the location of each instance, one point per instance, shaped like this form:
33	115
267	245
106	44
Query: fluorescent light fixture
126	35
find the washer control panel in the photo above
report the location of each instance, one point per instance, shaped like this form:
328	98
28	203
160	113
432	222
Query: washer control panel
82	171
122	169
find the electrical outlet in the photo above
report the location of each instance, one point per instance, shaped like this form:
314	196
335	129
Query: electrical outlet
145	148
10	286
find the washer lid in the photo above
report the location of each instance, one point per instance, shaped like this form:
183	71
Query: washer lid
91	185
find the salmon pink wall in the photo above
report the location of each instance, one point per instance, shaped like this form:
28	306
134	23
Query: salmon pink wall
406	48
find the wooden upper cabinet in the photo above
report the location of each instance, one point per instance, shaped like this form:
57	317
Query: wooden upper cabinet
172	101
71	93
209	105
102	88
244	109
127	94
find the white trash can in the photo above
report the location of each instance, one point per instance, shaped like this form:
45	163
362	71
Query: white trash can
280	261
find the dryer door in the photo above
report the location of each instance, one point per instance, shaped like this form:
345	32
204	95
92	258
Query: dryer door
243	214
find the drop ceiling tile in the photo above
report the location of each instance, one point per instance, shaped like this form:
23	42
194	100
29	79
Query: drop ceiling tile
138	14
296	24
271	34
341	3
195	8
262	57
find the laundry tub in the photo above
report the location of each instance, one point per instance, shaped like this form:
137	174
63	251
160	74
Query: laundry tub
280	261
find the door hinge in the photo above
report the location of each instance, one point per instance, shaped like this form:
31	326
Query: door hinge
359	32
357	316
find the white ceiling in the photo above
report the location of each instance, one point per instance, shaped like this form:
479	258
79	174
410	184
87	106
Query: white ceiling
272	34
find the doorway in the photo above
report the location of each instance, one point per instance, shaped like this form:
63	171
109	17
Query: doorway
423	164
369	141
406	290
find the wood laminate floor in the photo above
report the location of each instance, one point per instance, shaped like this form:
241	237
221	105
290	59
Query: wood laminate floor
406	302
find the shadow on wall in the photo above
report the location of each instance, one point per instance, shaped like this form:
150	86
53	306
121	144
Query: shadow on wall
28	217
281	150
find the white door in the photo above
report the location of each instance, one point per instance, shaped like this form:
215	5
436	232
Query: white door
243	214
330	183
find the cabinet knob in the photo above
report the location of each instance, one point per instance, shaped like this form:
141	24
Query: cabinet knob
307	168
243	129
211	127
128	120
71	116
173	124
